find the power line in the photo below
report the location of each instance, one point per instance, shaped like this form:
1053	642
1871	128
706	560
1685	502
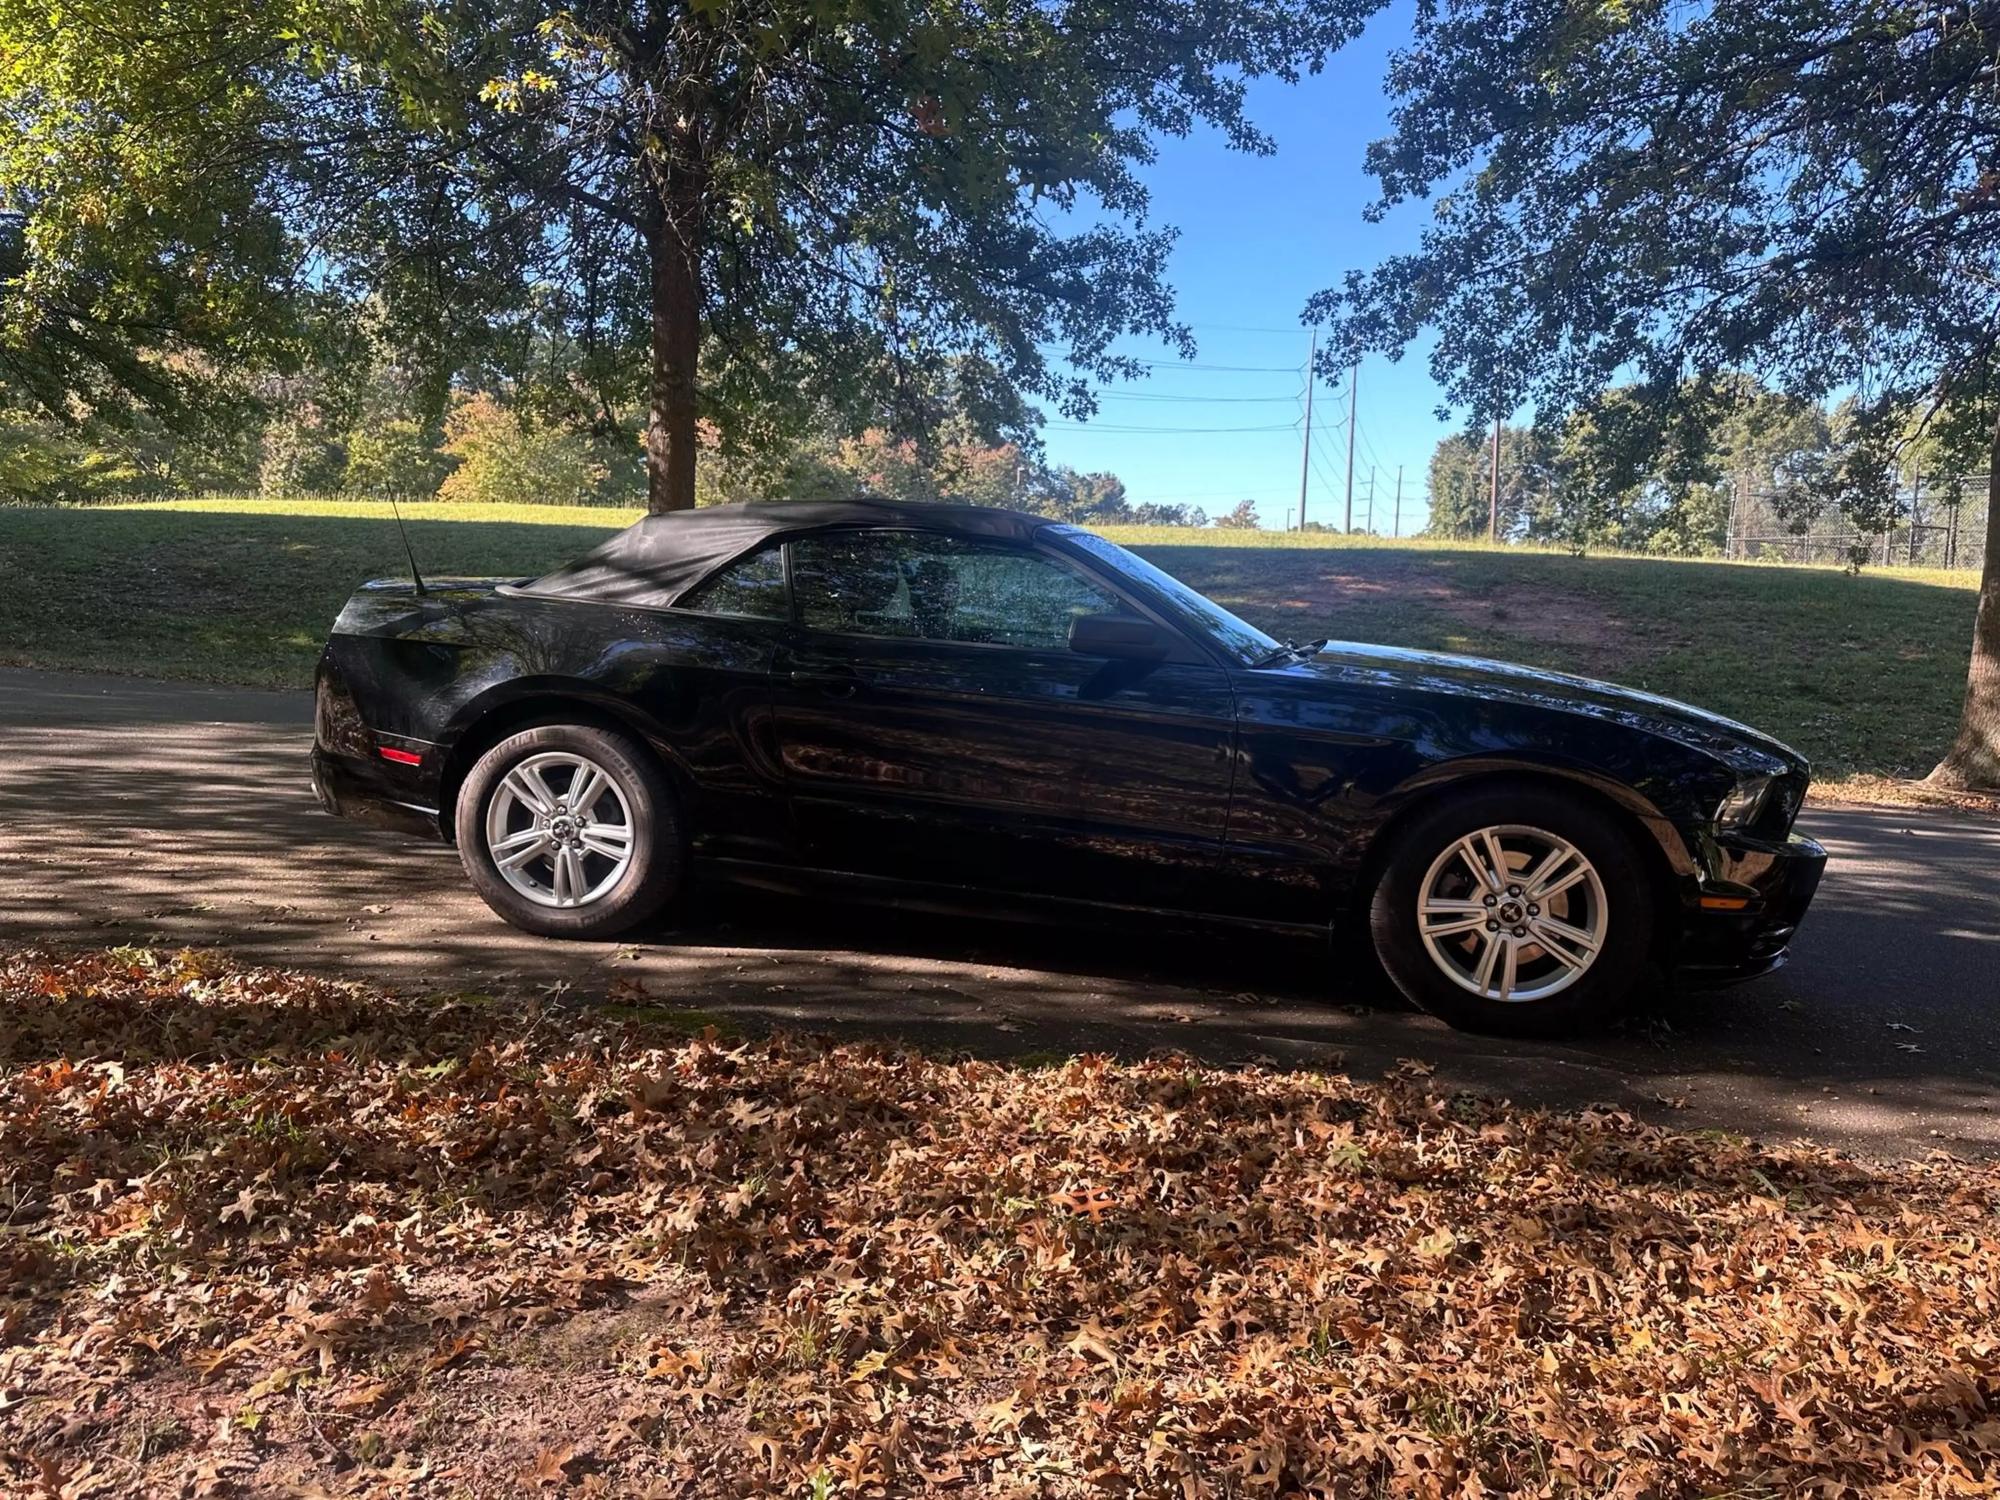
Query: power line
1203	400
1332	489
1238	493
1244	328
1198	365
1353	427
1167	431
1305	460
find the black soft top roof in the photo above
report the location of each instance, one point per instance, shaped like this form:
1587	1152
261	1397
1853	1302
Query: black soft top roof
657	559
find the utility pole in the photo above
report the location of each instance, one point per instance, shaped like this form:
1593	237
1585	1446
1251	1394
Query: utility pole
1306	458
1493	495
1398	531
1369	525
1353	398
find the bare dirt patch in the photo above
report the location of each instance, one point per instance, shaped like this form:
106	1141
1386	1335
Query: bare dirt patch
1540	615
1582	626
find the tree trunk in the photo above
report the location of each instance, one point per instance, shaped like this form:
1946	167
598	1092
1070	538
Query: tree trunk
1974	761
674	244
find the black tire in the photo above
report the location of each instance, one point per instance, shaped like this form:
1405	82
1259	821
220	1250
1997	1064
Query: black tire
649	881
1605	985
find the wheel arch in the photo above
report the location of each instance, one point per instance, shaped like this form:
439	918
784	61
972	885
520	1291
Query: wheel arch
487	722
1663	853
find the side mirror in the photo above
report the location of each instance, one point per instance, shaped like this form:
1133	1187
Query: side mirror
1120	637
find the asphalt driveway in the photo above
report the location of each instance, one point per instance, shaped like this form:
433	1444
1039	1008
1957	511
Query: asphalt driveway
143	811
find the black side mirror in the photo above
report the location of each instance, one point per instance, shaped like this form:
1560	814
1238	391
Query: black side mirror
1120	637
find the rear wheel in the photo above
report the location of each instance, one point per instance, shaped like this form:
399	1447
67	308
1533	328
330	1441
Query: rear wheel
568	830
1514	910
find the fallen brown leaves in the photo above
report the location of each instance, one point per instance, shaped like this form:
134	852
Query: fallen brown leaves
266	1234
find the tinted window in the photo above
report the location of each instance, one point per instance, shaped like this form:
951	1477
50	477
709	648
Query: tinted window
753	587
937	588
1242	640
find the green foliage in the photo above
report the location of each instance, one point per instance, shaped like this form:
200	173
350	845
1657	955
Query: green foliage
859	207
297	456
396	456
514	458
34	461
1630	190
139	257
1623	474
1240	517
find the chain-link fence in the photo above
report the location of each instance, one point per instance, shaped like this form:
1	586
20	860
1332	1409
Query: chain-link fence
1930	532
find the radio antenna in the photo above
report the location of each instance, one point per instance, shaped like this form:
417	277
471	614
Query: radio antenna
408	551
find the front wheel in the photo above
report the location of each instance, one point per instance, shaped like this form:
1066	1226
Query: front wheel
1514	910
569	831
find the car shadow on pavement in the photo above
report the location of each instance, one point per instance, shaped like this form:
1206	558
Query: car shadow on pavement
175	815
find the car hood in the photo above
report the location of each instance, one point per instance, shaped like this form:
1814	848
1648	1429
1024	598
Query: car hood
1472	676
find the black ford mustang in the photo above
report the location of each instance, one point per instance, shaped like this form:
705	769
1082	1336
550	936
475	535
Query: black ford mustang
941	703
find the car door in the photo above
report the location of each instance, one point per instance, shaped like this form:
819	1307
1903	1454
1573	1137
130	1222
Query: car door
934	725
700	671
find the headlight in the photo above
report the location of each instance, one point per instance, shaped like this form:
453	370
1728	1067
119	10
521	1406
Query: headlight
1741	807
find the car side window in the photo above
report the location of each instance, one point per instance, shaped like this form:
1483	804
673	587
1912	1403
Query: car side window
914	586
750	588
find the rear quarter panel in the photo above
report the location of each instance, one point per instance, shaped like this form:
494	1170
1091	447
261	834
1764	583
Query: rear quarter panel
456	669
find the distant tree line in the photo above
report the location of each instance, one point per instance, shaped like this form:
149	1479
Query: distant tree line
1600	477
362	418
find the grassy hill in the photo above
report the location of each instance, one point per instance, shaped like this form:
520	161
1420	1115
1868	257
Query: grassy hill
1861	673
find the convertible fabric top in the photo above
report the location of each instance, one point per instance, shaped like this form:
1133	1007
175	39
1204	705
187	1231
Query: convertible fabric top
656	560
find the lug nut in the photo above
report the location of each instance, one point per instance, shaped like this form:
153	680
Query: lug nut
1490	901
1520	932
1492	926
1513	890
1534	911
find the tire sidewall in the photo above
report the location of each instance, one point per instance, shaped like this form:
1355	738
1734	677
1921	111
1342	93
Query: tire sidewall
653	877
1629	899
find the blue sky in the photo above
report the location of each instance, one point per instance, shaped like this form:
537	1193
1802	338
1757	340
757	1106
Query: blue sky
1259	235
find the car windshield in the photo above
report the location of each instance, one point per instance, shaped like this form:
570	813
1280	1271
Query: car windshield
1244	642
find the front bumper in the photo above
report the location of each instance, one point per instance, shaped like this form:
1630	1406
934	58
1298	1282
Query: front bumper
1740	916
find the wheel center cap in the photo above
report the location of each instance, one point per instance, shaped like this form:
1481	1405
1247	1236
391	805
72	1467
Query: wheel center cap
563	829
1512	912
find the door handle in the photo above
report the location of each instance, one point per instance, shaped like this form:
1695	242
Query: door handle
841	682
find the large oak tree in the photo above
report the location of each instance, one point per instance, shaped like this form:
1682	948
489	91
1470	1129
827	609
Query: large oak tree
1808	190
744	210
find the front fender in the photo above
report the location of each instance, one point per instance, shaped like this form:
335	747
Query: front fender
1670	833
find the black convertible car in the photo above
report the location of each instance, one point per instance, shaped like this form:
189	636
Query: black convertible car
935	703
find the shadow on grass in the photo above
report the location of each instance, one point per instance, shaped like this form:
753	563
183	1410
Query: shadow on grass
226	597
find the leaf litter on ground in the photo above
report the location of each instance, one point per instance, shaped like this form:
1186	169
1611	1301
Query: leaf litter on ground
264	1234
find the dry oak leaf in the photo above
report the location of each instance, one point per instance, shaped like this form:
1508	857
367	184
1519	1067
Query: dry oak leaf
550	1468
1095	1202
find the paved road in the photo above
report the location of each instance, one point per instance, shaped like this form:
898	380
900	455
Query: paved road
132	811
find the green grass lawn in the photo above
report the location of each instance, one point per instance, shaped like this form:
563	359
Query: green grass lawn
1863	674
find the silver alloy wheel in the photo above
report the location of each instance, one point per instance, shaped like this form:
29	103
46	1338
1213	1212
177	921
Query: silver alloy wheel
1513	913
559	830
